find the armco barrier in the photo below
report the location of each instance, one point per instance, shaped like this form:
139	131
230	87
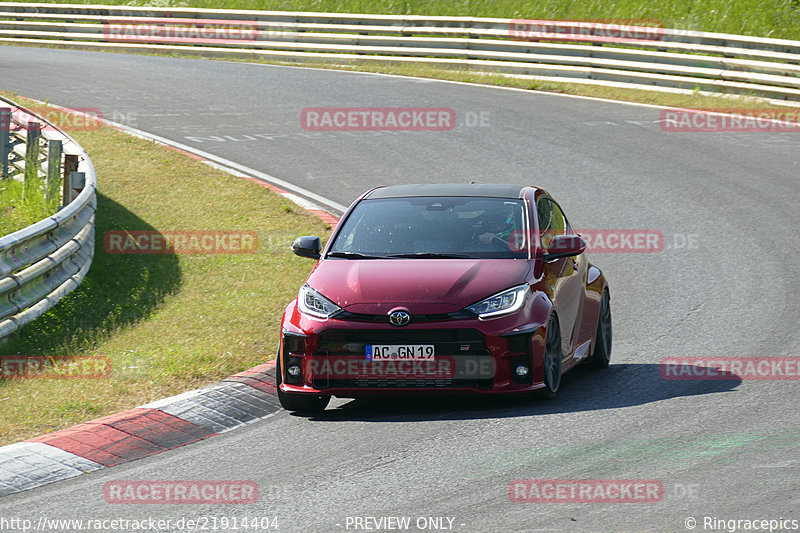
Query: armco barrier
42	263
665	59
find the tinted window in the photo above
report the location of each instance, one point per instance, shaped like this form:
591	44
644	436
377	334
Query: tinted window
468	227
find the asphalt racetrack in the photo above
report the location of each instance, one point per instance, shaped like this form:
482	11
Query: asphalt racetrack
724	284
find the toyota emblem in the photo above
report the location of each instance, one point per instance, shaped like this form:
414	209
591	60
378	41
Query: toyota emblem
399	318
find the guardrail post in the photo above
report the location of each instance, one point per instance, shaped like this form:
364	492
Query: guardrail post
32	152
5	141
70	166
54	151
77	181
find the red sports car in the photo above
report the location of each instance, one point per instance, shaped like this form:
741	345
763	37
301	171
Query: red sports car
446	288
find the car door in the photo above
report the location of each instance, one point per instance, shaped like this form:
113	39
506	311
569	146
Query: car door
564	276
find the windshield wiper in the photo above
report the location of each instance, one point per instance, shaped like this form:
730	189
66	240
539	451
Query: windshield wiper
354	255
428	255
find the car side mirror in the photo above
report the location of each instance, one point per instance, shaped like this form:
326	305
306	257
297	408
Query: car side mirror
564	246
307	247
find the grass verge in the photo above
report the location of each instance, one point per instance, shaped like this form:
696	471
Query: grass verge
167	323
22	204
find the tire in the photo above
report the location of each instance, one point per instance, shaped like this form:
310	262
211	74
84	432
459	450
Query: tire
602	341
552	360
298	403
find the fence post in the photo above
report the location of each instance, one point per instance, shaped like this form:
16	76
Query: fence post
77	181
54	151
70	166
5	141
32	143
31	155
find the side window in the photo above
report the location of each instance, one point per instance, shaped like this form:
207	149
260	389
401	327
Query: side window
552	221
544	213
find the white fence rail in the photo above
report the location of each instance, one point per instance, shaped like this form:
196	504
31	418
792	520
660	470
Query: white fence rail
667	59
42	263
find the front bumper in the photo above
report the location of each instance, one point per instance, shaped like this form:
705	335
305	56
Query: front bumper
471	356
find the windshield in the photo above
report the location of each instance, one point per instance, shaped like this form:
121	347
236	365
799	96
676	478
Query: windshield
434	227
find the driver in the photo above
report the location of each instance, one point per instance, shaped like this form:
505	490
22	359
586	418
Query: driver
497	228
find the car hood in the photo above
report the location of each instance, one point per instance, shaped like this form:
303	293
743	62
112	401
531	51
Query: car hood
423	286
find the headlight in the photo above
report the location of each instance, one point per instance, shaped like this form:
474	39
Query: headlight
501	303
313	303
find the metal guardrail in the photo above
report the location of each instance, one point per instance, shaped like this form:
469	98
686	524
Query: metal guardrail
42	263
676	60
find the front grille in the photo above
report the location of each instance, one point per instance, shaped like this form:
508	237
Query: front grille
384	319
462	351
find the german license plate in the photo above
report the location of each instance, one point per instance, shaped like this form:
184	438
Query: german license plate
405	352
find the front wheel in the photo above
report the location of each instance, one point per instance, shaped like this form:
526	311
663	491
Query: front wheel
552	360
602	342
306	404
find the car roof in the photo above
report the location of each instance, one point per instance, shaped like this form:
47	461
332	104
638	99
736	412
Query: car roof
485	190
